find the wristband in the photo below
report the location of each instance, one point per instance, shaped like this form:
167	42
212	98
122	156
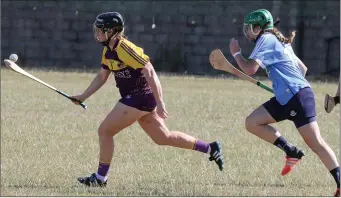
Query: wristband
235	54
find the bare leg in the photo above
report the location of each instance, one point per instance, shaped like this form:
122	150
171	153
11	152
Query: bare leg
312	137
119	118
155	127
257	124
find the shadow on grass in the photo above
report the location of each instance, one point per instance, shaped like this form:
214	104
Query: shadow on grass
96	191
147	188
32	186
239	184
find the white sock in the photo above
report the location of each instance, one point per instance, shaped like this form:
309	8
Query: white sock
102	178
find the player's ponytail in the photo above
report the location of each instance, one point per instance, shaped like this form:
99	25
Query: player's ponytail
280	36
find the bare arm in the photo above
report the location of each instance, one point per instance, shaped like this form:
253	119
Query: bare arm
248	66
97	83
153	81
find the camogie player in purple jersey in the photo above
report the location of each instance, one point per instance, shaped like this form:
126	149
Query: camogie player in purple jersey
294	98
142	99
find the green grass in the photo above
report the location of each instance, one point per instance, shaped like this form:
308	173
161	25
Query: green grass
47	142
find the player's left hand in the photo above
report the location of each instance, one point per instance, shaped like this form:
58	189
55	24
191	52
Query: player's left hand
161	110
234	46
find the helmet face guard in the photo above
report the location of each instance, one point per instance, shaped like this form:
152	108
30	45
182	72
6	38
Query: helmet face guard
249	28
96	32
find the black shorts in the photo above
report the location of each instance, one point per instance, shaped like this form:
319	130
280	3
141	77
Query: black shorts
300	109
141	102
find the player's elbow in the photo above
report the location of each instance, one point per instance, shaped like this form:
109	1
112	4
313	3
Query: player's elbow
250	71
251	67
103	76
302	66
305	72
303	69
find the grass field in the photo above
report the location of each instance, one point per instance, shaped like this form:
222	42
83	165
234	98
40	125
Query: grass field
47	142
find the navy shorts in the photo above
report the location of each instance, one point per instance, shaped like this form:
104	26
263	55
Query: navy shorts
300	109
145	102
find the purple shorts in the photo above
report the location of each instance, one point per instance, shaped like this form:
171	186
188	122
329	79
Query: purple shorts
300	109
141	102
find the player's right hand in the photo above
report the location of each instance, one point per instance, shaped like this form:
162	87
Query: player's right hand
77	97
234	46
161	110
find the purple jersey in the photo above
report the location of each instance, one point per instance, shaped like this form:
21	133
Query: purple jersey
126	61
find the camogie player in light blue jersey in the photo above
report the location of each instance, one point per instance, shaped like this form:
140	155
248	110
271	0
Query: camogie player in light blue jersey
294	99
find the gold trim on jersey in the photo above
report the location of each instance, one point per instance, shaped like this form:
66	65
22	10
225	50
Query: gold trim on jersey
133	53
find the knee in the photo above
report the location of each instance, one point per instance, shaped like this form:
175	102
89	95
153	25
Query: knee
104	130
250	124
108	128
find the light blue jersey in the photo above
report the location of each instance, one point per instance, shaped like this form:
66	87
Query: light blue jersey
281	65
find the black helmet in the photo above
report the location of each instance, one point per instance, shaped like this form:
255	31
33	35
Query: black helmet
107	21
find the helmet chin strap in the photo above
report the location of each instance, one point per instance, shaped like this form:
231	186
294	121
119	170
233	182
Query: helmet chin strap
106	43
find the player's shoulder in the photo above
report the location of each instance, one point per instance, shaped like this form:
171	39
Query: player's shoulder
266	39
127	44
